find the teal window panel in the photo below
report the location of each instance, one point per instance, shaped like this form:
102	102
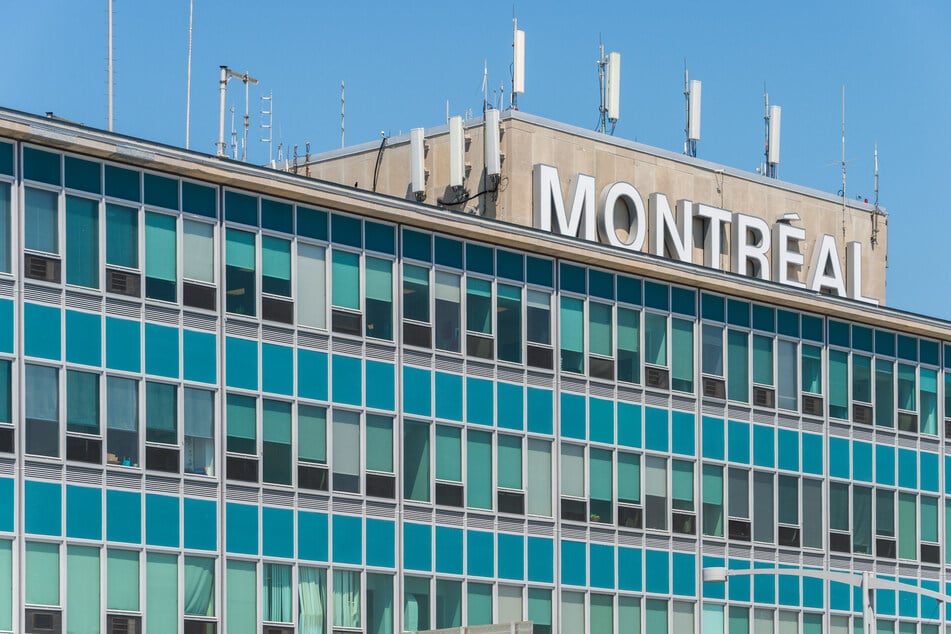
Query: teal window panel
684	569
83	512
7	505
862	461
198	199
839	458
929	607
480	402
511	406
812	454
813	595
573	416
201	524
629	569
885	602
312	374
509	265
379	237
764	586
418	547
122	183
541	560
380	385
448	252
161	350
908	601
347	540
312	536
417	245
885	465
480	554
540	411
656	295
346	380
713	590
41	331
656	428
6	158
83	338
241	528
511	556
789	590
602	566
6	325
713	437
448	396
601	420
574	563
161	191
381	543
124	517
657	563
417	391
41	166
200	356
629	423
449	550
241	363
738	447
929	471
739	591
683	433
161	520
346	230
840	596
764	451
480	260
907	468
123	345
277	369
42	508
277	532
788	442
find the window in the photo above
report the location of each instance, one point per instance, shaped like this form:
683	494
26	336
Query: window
346	606
738	360
311	447
42	573
379	301
41	220
907	526
629	490
277	593
508	319
839	384
276	442
346	453
199	589
478	469
861	520
682	498
241	600
811	369
762	360
601	487
416	461
312	594
416	293
628	345
162	604
449	465
788	509
415	604
539	477
601	340
82	402
198	251
122	421
240	273
713	500
379	457
242	424
448	313
712	350
572	611
738	503
602	613
928	422
199	431
681	355
122	574
379	603
884	393
161	413
82	588
479	318
788	375
448	603
509	474
573	483
122	236
82	242
763	507
161	255
538	317
539	610
861	378
311	285
572	335
5	207
42	410
812	512
655	339
276	266
655	479
839	516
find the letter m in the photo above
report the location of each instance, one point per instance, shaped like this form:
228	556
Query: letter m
548	203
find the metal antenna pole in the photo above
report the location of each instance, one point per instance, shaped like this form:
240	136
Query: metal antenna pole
843	159
234	138
767	171
342	113
188	81
109	79
267	123
247	107
514	102
602	109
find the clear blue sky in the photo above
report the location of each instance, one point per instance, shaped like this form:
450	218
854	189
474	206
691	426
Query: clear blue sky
402	60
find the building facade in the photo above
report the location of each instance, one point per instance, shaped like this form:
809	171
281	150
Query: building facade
236	399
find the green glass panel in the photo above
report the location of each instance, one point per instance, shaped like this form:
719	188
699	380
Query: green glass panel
161	412
712	484
6	392
5	204
82	589
242	423
811	369
628	477
277	215
241	208
42	573
739	620
82	402
539	606
123	183
602	613
277	598
82	242
655	339
448	453
839	506
629	614
738	365
762	360
928	407
479	603
379	277
861	378
884	393
885	513
479	469
241	598
929	519
199	586
448	603
861	519
199	199
416	603
907	526
6	158
681	481
788	493
572	324
122	577
379	443
239	249
601	475
656	615
510	461
346	279
275	266
83	175
600	331
681	355
6	584
479	305
161	592
122	236
41	166
276	422
161	191
311	433
160	247
839	384
416	461
416	292
628	345
906	387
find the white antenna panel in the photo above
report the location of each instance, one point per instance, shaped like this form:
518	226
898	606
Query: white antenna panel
417	151
693	117
456	152
493	159
775	118
613	88
518	68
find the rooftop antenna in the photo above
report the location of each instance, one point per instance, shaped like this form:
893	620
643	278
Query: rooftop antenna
188	81
876	212
843	160
267	123
518	63
692	92
342	115
109	65
234	137
772	118
609	82
485	86
226	75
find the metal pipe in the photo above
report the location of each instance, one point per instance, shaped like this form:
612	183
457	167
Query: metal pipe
188	81
222	89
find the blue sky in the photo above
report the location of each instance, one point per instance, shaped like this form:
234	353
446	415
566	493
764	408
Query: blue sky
403	61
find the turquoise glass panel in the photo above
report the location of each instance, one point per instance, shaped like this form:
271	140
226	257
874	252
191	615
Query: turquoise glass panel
241	528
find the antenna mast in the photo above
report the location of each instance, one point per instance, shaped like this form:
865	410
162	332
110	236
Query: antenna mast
876	211
843	159
518	63
188	81
341	114
267	123
692	92
226	75
234	137
772	117
109	70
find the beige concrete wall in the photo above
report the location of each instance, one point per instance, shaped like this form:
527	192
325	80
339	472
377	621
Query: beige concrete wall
525	144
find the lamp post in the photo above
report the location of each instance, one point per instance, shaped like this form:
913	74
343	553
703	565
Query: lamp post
867	582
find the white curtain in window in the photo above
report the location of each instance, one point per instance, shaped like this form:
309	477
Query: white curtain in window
311	589
199	413
198	250
311	285
278	593
123	410
346	598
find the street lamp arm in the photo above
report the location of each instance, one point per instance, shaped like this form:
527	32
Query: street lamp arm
720	575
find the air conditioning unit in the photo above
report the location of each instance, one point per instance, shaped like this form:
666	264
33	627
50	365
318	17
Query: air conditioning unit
123	283
657	377
812	405
714	387
764	397
44	622
117	624
862	414
37	267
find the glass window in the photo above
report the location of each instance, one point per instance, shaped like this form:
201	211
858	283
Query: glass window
712	349
345	272
379	604
42	573
479	469
122	236
508	318
479	306
839	506
311	434
479	603
628	477
123	579
161	253
738	358
862	520
42	410
6	392
906	388
713	500
509	461
572	334
199	431
629	614
5	205
539	477
884	513
379	305
416	461
448	603
884	393
572	470
122	421
346	452
41	220
275	266
539	610
241	599
681	355
762	360
276	446
907	526
242	424
448	453
312	595
602	613
861	378
538	317
380	443
311	285
346	607
82	402
199	586
811	369
681	481
600	329
198	251
416	293
161	592
277	593
82	242
929	519
82	588
572	611
788	507
812	513
161	412
416	604
928	420
656	615
739	617
655	480
240	272
601	487
738	485
510	604
655	339
763	518
788	397
628	345
839	384
448	309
